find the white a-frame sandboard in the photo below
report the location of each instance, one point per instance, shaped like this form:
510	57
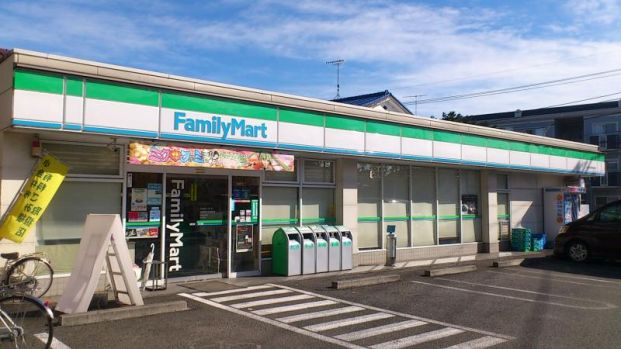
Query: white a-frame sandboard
103	239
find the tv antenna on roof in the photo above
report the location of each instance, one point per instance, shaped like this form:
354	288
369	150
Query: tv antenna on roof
337	63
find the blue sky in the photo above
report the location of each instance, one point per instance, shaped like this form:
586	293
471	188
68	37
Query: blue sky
431	48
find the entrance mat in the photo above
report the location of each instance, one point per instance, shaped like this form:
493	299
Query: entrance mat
209	286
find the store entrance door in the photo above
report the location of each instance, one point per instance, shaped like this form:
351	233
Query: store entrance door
246	254
197	225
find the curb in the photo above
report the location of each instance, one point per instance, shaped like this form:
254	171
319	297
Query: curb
449	271
507	262
366	281
121	313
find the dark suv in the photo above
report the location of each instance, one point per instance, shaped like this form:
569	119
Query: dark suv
595	235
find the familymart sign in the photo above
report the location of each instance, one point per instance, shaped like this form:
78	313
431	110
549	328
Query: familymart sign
216	125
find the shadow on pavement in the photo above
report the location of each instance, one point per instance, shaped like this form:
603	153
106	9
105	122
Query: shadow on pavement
598	268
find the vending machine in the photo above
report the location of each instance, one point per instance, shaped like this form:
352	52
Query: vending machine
560	206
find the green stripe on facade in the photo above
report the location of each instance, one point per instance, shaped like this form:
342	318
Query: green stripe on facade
503	216
477	141
300	117
448	217
449	137
37	81
74	86
498	144
383	128
424	218
369	219
470	216
142	224
318	220
121	93
211	222
396	218
217	106
280	221
416	132
344	123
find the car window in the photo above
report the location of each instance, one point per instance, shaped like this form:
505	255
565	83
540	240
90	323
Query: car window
610	214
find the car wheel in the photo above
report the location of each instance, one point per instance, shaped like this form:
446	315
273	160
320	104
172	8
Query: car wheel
578	251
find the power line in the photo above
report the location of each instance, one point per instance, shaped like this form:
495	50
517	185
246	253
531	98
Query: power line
587	99
564	81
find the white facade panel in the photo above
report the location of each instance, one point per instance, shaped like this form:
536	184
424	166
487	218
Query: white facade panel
574	164
38	106
342	139
220	126
417	147
473	153
382	143
120	115
300	134
558	162
519	158
498	156
74	109
446	150
540	160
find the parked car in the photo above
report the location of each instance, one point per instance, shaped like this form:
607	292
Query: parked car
595	235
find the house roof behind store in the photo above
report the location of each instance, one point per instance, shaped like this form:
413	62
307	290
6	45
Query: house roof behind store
372	100
548	111
49	62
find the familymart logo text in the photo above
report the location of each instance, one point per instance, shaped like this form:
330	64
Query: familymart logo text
217	126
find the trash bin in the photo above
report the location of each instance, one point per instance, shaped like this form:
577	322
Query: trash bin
308	250
321	245
286	252
347	252
334	248
391	246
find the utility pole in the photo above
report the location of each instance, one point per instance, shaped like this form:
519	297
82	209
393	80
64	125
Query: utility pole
415	102
337	63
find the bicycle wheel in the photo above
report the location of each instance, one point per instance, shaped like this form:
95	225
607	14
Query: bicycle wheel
26	322
30	275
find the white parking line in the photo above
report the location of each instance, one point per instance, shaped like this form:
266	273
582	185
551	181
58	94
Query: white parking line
562	275
479	343
270	301
318	314
527	291
249	295
376	331
607	306
417	339
293	307
551	279
347	322
237	290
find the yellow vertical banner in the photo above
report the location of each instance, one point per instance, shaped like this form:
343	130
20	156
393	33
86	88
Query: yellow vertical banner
33	199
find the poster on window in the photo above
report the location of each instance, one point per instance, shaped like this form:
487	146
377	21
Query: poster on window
139	199
243	237
469	204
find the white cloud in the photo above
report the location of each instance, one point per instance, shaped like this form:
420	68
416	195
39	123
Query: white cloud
596	11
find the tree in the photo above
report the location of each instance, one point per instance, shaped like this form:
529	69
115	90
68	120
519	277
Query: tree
457	117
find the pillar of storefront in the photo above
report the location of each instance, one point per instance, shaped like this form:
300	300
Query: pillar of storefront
490	212
347	196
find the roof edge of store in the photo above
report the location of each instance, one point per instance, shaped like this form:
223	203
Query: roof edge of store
50	62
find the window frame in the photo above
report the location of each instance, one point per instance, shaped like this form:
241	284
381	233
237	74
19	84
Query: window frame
120	149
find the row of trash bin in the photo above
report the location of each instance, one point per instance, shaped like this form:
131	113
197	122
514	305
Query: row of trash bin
311	249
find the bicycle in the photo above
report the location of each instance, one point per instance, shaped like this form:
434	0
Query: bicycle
30	274
25	321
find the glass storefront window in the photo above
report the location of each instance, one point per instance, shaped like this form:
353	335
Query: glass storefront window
62	225
448	206
423	206
503	215
318	206
280	208
319	171
396	201
369	206
470	206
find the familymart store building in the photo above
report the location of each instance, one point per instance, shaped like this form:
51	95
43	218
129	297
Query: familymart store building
203	173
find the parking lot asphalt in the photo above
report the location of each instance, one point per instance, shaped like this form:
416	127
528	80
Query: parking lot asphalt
543	303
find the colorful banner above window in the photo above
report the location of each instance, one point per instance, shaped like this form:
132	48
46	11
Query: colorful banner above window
190	156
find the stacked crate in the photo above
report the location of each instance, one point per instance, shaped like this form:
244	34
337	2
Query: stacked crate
521	239
538	242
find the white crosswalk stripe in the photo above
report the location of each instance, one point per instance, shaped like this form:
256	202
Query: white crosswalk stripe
315	315
350	322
